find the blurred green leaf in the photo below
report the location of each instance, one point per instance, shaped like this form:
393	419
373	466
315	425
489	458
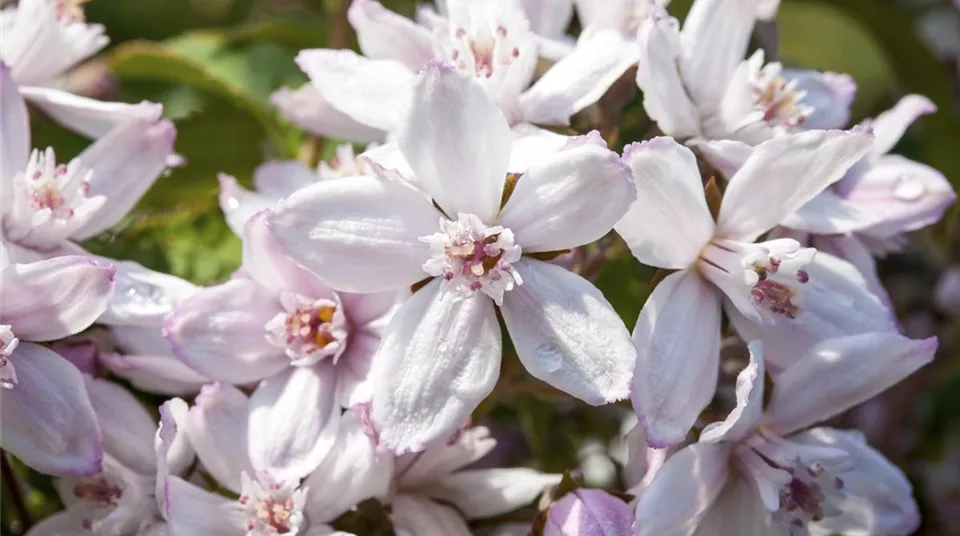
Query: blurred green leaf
305	31
623	282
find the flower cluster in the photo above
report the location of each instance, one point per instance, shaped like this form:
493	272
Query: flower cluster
386	300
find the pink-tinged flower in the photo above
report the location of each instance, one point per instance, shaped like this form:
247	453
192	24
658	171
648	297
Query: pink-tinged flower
696	84
471	250
434	493
276	322
489	41
757	472
40	41
47	206
777	291
277	179
47	419
222	427
589	512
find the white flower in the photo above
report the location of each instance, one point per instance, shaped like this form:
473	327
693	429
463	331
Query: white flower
440	356
775	291
758	473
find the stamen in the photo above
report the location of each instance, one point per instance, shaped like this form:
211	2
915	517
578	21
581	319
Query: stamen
8	343
271	507
778	99
309	330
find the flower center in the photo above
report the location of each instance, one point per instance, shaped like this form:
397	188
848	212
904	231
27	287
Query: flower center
778	99
100	495
471	256
481	55
309	330
804	499
71	10
271	508
771	273
8	343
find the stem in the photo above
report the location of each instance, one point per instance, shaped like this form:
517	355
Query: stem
13	488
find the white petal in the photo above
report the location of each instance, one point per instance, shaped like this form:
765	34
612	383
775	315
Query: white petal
354	470
828	213
836	302
838	374
532	144
715	37
48	422
457	141
738	510
217	428
853	250
415	515
443	457
174	451
359	234
483	493
830	95
744	418
726	156
267	263
665	98
589	512
307	108
374	93
279	178
670	223
568	199
440	356
549	18
161	374
143	297
293	421
878	497
683	490
567	334
14	134
385	35
193	510
579	79
672	359
63	523
127	427
220	332
806	163
890	125
88	117
239	204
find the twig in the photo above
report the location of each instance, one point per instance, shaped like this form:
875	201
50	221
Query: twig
13	488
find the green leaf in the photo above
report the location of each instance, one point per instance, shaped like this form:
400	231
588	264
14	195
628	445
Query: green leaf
623	282
306	31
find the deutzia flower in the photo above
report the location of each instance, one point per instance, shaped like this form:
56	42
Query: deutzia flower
46	206
435	493
276	322
48	422
472	248
787	295
489	41
588	512
758	473
696	84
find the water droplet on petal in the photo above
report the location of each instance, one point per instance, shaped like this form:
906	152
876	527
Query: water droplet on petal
907	188
549	356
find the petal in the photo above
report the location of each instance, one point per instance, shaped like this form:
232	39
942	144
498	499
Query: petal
48	422
415	515
239	204
715	37
442	457
457	141
838	374
899	195
439	357
726	156
161	374
738	510
174	451
267	263
806	162
878	498
532	144
484	493
217	428
343	230
279	178
374	93
589	512
128	429
85	116
14	132
549	18
853	250
354	385
293	421
670	223
143	297
579	79
60	524
567	334
372	311
890	125
220	332
125	163
568	199
829	94
193	510
683	490
828	213
665	98
385	35
355	470
744	418
672	359
307	108
53	298
836	302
